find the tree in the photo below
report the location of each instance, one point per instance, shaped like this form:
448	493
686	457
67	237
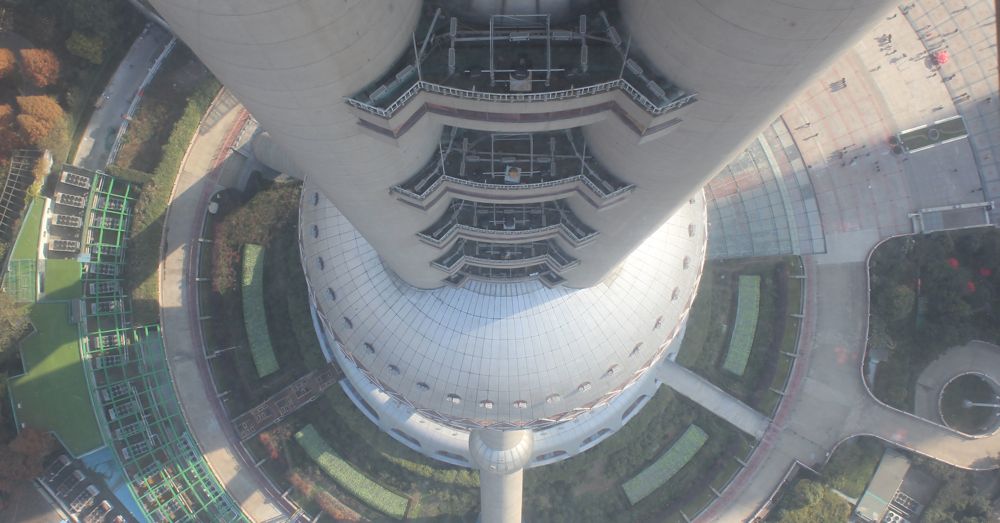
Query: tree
10	139
960	500
896	302
40	66
21	460
14	325
40	119
90	48
100	17
33	444
7	62
811	502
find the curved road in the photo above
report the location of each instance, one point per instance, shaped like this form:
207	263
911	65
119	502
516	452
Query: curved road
207	420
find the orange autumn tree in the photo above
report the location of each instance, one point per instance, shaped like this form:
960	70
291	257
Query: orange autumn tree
7	62
10	139
21	460
40	66
40	115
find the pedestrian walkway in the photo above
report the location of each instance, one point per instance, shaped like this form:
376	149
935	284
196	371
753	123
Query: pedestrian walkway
286	401
716	400
182	337
967	31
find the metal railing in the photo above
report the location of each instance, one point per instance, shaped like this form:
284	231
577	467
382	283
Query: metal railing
485	96
116	146
512	187
571	235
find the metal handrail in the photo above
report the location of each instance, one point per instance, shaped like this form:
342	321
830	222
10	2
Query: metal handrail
619	83
512	187
554	264
454	229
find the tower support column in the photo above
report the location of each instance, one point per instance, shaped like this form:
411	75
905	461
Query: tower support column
501	457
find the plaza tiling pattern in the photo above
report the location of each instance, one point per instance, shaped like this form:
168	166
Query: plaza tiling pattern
971	71
762	203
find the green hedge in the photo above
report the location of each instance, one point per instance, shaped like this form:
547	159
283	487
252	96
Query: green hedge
348	477
151	207
664	468
129	175
747	310
254	317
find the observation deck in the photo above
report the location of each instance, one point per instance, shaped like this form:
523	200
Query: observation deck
512	168
508	223
520	70
505	256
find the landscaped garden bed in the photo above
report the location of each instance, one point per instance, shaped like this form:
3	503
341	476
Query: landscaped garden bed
929	293
715	346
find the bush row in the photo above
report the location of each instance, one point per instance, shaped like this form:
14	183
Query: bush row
348	477
150	210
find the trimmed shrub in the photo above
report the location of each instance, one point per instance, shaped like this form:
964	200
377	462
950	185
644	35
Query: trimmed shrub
348	477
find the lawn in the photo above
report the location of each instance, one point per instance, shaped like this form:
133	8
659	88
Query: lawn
747	310
254	315
438	490
667	465
348	477
26	246
710	325
852	465
53	394
62	280
289	322
593	480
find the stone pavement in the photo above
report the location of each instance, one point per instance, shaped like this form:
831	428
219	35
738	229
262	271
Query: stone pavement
207	421
975	356
967	30
713	398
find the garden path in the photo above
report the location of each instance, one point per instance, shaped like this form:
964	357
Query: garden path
718	401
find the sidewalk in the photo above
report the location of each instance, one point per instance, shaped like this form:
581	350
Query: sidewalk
206	419
711	397
121	89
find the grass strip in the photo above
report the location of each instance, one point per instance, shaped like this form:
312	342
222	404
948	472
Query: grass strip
747	310
254	316
150	210
348	477
664	468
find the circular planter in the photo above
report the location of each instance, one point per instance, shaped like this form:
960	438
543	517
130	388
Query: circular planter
956	410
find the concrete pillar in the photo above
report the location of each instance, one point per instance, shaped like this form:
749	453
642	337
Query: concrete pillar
501	457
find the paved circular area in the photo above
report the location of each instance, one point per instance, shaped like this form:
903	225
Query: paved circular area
976	356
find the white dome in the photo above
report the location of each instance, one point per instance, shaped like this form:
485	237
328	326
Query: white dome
493	354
